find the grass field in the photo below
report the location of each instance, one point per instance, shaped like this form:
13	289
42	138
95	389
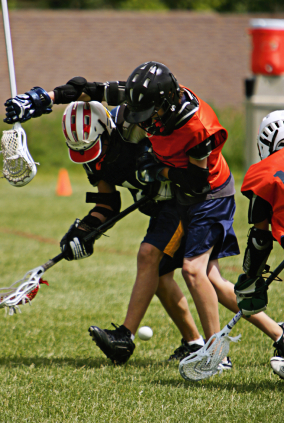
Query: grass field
51	371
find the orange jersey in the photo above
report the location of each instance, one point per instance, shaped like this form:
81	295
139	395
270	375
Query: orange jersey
266	180
173	149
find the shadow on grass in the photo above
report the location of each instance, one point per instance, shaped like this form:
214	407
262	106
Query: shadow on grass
77	363
164	378
238	388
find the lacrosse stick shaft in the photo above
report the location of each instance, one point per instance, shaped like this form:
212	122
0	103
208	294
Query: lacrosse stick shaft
9	49
275	273
115	219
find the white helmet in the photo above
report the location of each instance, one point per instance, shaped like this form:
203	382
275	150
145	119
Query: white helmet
83	125
271	134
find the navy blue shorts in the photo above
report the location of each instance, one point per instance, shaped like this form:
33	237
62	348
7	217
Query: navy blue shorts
208	224
166	233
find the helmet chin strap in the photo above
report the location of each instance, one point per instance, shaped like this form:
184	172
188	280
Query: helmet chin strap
170	126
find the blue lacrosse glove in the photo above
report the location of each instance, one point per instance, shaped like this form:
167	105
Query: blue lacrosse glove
32	104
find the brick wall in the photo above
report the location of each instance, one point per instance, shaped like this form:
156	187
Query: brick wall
210	53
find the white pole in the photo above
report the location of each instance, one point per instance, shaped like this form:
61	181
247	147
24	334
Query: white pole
9	49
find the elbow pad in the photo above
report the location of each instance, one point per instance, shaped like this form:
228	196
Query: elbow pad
95	90
115	93
193	181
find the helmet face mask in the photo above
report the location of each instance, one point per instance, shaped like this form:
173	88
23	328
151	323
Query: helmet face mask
150	88
84	125
271	134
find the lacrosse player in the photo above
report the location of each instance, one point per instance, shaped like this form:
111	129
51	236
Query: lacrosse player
110	161
188	139
263	185
180	114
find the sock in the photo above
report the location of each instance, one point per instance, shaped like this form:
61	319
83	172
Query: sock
132	337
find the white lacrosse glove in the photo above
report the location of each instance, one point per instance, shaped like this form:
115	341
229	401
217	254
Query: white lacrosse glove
73	245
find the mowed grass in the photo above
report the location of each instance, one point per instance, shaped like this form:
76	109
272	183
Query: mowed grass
51	371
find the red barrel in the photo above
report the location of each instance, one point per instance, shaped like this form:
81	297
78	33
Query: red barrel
267	46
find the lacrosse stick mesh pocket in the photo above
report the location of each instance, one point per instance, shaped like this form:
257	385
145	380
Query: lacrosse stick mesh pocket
18	166
18	292
205	363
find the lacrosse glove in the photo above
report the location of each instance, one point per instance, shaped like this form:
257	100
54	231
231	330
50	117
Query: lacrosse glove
32	104
147	165
251	294
73	245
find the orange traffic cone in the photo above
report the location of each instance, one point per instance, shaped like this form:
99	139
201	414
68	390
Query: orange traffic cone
63	184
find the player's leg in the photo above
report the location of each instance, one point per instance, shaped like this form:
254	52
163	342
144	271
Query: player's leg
176	305
202	291
145	286
209	234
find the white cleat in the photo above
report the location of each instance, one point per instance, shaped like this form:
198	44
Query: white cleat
226	364
277	364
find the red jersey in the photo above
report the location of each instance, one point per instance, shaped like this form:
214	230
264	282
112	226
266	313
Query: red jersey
173	149
266	180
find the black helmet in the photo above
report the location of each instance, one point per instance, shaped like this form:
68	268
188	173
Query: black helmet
150	87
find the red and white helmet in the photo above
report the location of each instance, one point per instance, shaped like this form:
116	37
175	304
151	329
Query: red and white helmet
83	125
271	134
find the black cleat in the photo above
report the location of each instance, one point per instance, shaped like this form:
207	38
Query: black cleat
184	350
115	344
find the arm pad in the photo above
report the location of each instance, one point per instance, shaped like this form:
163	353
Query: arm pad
109	199
65	94
193	180
259	246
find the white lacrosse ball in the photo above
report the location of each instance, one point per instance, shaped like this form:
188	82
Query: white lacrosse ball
145	333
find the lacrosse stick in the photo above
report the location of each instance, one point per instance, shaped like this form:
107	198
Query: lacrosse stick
205	362
18	292
18	166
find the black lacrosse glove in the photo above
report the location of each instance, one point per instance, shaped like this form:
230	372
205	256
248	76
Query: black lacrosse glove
32	104
73	245
192	181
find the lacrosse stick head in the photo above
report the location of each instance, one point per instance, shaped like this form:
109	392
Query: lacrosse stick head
22	291
205	362
18	166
